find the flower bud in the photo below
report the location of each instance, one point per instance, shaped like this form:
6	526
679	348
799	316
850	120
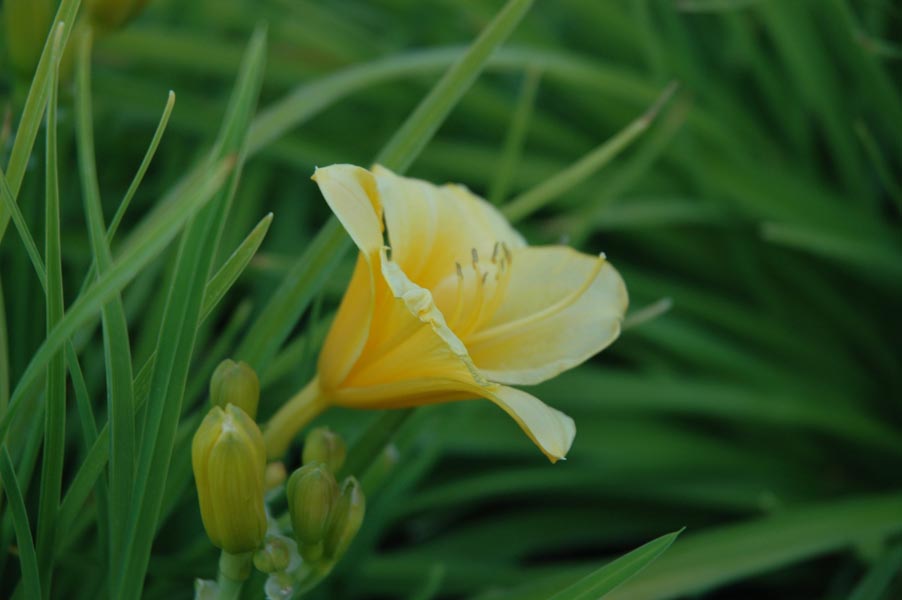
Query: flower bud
347	516
324	446
275	475
27	25
235	383
229	460
274	556
312	492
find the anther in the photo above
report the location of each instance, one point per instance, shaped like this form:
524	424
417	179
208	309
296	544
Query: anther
460	271
495	252
475	256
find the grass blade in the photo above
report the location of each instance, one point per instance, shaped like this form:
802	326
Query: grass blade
532	200
422	124
55	394
598	583
28	560
875	583
30	122
718	556
151	238
178	332
142	168
99	451
234	266
516	133
117	349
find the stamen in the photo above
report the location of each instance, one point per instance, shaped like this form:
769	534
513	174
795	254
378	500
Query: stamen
495	252
507	252
475	256
459	303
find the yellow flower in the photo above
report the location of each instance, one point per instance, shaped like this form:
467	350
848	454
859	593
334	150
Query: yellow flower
453	305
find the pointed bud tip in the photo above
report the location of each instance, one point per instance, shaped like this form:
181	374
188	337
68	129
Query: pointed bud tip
235	383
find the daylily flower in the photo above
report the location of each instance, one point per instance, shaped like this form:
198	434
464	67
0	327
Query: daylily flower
452	305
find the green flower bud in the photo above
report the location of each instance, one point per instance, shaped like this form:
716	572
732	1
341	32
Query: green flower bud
274	556
27	25
312	492
235	383
324	446
229	461
347	516
275	475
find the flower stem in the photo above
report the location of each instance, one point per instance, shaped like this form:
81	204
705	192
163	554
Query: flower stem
302	408
234	569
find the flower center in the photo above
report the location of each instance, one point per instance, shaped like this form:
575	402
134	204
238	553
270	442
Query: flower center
480	289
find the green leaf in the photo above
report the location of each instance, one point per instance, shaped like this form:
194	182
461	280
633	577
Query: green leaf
876	582
149	240
422	124
55	391
30	122
713	558
179	328
532	200
516	134
234	266
99	451
28	559
598	583
117	349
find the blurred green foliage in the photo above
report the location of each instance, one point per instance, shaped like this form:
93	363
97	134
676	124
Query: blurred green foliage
758	404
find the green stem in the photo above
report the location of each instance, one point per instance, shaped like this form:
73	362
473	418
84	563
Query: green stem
302	408
234	569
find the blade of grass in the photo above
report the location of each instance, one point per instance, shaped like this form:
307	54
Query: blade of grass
868	254
152	237
234	266
36	101
196	252
142	168
99	451
83	402
28	560
117	349
706	560
598	583
422	124
31	248
875	583
532	200
879	163
516	134
55	394
4	346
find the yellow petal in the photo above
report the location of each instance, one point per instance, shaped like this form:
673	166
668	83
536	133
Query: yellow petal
352	196
411	353
351	193
560	307
550	429
430	227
